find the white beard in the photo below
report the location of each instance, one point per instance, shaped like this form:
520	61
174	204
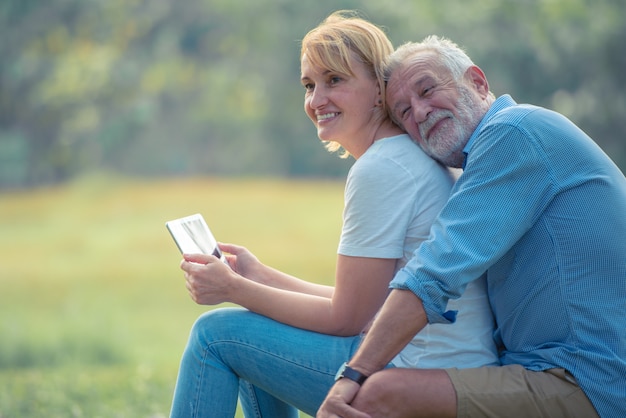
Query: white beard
446	145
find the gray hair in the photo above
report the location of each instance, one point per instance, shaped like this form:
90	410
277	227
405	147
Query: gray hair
449	54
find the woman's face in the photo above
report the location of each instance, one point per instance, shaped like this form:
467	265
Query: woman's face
341	106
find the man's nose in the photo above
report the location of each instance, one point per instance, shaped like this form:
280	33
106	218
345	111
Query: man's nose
421	109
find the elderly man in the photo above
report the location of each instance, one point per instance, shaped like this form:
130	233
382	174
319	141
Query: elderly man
539	208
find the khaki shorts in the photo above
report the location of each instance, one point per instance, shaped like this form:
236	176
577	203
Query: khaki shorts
512	391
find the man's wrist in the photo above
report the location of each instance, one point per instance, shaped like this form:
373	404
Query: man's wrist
350	373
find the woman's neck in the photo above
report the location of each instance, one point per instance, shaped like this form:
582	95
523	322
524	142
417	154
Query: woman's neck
386	129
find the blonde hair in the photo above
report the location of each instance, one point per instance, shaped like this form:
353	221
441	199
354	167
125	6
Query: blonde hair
340	37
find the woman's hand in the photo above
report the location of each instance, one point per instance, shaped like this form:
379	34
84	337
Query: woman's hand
242	261
208	280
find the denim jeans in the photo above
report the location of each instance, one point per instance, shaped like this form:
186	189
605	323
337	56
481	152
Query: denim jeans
273	368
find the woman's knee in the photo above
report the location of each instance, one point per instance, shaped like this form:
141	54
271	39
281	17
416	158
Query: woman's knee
217	324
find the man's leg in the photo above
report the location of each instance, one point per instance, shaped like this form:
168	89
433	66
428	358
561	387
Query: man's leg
513	391
398	393
510	391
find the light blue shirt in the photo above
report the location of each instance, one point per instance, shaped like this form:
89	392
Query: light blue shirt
542	210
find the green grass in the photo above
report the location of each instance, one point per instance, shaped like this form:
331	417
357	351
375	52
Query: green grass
94	313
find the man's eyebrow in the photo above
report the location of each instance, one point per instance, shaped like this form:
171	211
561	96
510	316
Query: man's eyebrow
423	79
426	78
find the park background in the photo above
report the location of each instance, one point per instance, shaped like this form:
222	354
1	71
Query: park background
118	115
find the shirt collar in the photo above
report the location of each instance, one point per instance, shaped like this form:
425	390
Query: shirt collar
499	104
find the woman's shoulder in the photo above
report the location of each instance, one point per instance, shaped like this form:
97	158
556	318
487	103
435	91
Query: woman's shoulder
400	151
401	147
393	147
399	160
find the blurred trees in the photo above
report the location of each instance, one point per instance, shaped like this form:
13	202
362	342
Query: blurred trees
158	87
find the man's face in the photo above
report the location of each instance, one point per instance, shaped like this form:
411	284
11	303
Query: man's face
439	113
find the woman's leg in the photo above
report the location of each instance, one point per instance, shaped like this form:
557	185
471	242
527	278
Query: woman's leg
277	365
205	386
256	403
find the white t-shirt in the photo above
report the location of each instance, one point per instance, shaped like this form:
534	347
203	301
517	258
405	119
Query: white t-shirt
393	193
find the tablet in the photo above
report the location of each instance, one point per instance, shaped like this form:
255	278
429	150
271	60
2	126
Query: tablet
193	236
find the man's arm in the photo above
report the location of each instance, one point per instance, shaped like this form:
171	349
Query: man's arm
401	317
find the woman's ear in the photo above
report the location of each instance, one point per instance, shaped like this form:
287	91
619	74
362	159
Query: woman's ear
379	94
378	100
477	79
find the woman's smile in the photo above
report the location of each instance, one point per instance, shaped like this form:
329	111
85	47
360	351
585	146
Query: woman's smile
326	116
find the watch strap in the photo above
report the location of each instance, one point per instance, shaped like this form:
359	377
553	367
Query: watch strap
352	374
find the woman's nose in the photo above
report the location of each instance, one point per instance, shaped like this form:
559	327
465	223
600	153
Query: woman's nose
318	97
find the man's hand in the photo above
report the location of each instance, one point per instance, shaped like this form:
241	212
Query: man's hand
382	343
337	402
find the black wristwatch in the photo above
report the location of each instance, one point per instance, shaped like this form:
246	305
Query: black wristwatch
349	373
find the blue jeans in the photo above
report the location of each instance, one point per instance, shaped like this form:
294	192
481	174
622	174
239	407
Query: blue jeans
273	368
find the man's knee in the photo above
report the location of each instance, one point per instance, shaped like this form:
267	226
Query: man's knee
407	393
376	393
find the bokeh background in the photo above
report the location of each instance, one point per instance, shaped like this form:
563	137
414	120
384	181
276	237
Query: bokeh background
118	115
211	87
